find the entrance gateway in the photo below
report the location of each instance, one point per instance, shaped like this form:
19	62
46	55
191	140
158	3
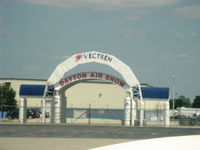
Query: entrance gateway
58	79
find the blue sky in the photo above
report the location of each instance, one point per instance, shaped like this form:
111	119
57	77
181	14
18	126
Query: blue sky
156	38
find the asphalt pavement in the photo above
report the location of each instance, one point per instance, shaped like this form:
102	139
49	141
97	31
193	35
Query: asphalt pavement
91	131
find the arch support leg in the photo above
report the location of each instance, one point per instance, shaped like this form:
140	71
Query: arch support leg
56	106
43	111
127	110
22	110
167	115
133	112
141	107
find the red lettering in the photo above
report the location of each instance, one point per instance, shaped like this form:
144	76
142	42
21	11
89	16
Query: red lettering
107	77
112	79
70	79
74	77
122	84
66	81
62	83
116	81
92	75
84	75
100	75
79	76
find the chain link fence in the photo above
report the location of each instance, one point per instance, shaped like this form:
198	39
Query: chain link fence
152	117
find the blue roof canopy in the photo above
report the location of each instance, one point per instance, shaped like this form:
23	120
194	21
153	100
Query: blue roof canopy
38	90
155	92
34	90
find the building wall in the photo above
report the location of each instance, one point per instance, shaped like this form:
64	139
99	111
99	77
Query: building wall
98	95
154	104
15	84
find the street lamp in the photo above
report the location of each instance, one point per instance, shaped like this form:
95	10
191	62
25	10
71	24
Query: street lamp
173	92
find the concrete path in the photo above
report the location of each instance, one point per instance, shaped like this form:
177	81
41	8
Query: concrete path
55	143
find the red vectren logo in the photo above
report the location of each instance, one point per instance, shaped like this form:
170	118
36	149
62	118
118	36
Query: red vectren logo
78	57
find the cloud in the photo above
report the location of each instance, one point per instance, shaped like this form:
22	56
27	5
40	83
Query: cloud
176	56
59	57
128	17
55	57
133	34
186	35
1	56
182	56
191	12
1	19
101	4
31	68
7	33
147	70
136	14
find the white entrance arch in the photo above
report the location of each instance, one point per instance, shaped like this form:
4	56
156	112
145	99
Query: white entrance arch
129	77
97	57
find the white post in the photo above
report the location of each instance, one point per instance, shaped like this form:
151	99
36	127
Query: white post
57	108
63	108
22	110
43	111
133	112
52	114
127	109
167	115
141	113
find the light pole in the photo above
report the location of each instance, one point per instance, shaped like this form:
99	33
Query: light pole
173	92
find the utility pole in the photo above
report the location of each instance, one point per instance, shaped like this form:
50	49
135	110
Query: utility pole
173	92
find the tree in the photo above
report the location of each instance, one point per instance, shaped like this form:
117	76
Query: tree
196	102
182	101
7	98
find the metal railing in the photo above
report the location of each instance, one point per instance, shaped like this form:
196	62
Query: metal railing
152	117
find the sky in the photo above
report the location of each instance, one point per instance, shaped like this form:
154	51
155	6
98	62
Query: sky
158	39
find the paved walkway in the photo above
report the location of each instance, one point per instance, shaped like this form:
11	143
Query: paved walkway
55	143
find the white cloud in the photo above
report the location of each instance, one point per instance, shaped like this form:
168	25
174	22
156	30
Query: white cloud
186	35
1	18
55	57
1	56
102	4
192	12
182	56
133	34
128	17
31	68
7	33
147	70
176	56
59	57
136	14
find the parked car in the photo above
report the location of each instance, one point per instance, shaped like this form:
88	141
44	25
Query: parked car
30	113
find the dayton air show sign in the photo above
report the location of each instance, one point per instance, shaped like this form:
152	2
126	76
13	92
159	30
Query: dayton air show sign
92	76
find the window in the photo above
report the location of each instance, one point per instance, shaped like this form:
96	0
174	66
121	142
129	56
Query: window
8	83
